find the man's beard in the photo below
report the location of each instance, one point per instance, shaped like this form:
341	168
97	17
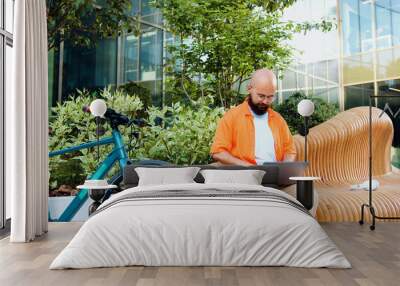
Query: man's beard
259	109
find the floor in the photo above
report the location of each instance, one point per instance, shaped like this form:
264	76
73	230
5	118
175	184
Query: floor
375	257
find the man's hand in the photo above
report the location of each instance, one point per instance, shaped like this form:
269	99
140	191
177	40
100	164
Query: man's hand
228	159
289	158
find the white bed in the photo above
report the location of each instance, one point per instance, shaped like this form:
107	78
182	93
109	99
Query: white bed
206	230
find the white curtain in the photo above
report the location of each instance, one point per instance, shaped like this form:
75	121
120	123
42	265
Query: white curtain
27	123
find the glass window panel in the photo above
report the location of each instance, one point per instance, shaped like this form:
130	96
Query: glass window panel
52	72
131	58
89	68
155	88
334	95
350	26
358	68
320	73
383	23
9	15
317	83
301	67
321	93
357	95
301	80
106	63
309	74
385	89
76	72
169	36
389	87
289	80
333	71
151	14
147	8
157	96
331	7
135	9
151	51
366	26
170	40
287	94
300	76
395	22
320	69
153	18
388	63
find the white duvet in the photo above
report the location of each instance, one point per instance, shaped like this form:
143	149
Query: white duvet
200	231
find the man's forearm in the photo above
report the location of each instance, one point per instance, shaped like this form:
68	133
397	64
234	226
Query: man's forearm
227	158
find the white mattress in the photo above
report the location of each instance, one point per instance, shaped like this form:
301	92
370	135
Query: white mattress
200	231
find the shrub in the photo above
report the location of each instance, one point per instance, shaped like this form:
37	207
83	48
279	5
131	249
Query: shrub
71	126
141	92
288	109
180	134
396	158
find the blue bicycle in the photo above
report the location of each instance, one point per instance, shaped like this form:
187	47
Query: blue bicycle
118	155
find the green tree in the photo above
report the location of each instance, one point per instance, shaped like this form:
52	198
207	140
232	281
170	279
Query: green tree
83	22
219	43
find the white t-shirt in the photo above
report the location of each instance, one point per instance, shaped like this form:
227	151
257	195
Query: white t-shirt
264	140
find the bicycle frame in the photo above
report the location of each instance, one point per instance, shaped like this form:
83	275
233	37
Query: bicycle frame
118	154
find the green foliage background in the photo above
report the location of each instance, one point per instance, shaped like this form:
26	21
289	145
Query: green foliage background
219	43
84	22
184	136
71	126
288	109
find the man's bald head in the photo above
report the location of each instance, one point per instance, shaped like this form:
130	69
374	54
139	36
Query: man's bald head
263	78
262	88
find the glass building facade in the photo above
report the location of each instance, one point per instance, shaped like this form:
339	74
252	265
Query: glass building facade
360	57
370	57
370	32
113	61
315	70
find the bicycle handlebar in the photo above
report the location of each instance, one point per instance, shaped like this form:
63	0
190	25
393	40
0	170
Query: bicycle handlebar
116	119
86	109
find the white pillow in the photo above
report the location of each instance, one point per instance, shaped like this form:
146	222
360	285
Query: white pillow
249	177
166	176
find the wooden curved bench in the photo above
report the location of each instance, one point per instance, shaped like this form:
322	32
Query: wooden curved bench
339	154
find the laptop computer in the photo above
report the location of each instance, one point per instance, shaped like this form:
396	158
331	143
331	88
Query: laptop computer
285	170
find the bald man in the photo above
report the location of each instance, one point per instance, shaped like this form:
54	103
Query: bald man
252	132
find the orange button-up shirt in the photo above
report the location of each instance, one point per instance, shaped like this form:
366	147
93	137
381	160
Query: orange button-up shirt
236	135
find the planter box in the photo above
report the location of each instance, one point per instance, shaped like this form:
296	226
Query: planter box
58	204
